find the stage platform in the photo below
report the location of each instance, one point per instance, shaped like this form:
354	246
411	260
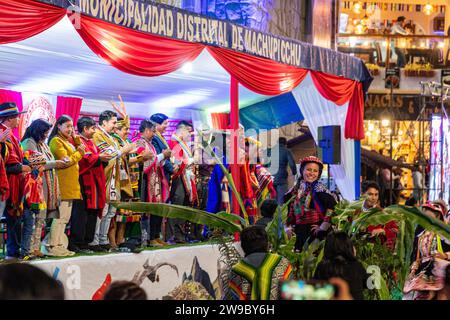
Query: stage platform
159	271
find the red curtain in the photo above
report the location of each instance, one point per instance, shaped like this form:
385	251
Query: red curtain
12	96
69	106
260	75
220	121
22	19
136	52
341	90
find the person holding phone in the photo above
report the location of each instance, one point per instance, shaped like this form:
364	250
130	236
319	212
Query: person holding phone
66	146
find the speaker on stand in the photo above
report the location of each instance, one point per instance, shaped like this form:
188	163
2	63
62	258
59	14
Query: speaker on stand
329	143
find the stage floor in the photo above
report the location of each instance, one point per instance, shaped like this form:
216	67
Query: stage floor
159	271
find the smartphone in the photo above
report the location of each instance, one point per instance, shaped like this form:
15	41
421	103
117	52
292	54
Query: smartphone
307	290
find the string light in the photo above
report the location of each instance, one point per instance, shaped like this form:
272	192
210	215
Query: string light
357	7
428	9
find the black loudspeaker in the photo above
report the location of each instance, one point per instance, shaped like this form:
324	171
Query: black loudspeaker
330	144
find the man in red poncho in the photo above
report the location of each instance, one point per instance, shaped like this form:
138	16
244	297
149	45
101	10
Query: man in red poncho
183	189
17	238
92	182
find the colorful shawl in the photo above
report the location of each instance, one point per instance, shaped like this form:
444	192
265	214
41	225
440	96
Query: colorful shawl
107	144
265	187
262	283
156	184
184	159
92	177
14	204
34	186
306	207
4	185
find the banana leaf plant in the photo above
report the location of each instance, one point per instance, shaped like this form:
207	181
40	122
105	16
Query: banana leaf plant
228	222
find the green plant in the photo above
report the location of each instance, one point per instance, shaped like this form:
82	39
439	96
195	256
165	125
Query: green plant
222	220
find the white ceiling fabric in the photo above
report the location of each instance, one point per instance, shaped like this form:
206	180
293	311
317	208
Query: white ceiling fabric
58	62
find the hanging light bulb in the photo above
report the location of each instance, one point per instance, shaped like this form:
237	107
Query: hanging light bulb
357	7
428	9
365	20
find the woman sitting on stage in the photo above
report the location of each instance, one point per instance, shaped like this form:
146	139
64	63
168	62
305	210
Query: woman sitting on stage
311	209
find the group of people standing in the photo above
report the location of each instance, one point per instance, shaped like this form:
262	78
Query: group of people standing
53	176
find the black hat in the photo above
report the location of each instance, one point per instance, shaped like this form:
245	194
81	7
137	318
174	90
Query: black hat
9	109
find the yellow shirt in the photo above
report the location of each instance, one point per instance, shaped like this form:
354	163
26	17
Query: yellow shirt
68	177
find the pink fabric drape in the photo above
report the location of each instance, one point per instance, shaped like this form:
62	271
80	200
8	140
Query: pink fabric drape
69	106
12	96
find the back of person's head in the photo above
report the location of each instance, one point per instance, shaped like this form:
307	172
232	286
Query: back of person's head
282	141
370	184
401	19
339	246
22	281
254	239
124	290
268	208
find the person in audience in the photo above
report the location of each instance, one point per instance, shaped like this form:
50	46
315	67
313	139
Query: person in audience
18	237
386	233
285	160
23	281
34	140
154	186
259	274
65	146
92	181
398	29
124	290
339	261
431	257
444	293
310	211
106	144
268	209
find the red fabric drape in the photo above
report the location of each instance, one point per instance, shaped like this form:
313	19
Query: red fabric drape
12	96
260	75
69	106
220	121
22	19
136	52
341	90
